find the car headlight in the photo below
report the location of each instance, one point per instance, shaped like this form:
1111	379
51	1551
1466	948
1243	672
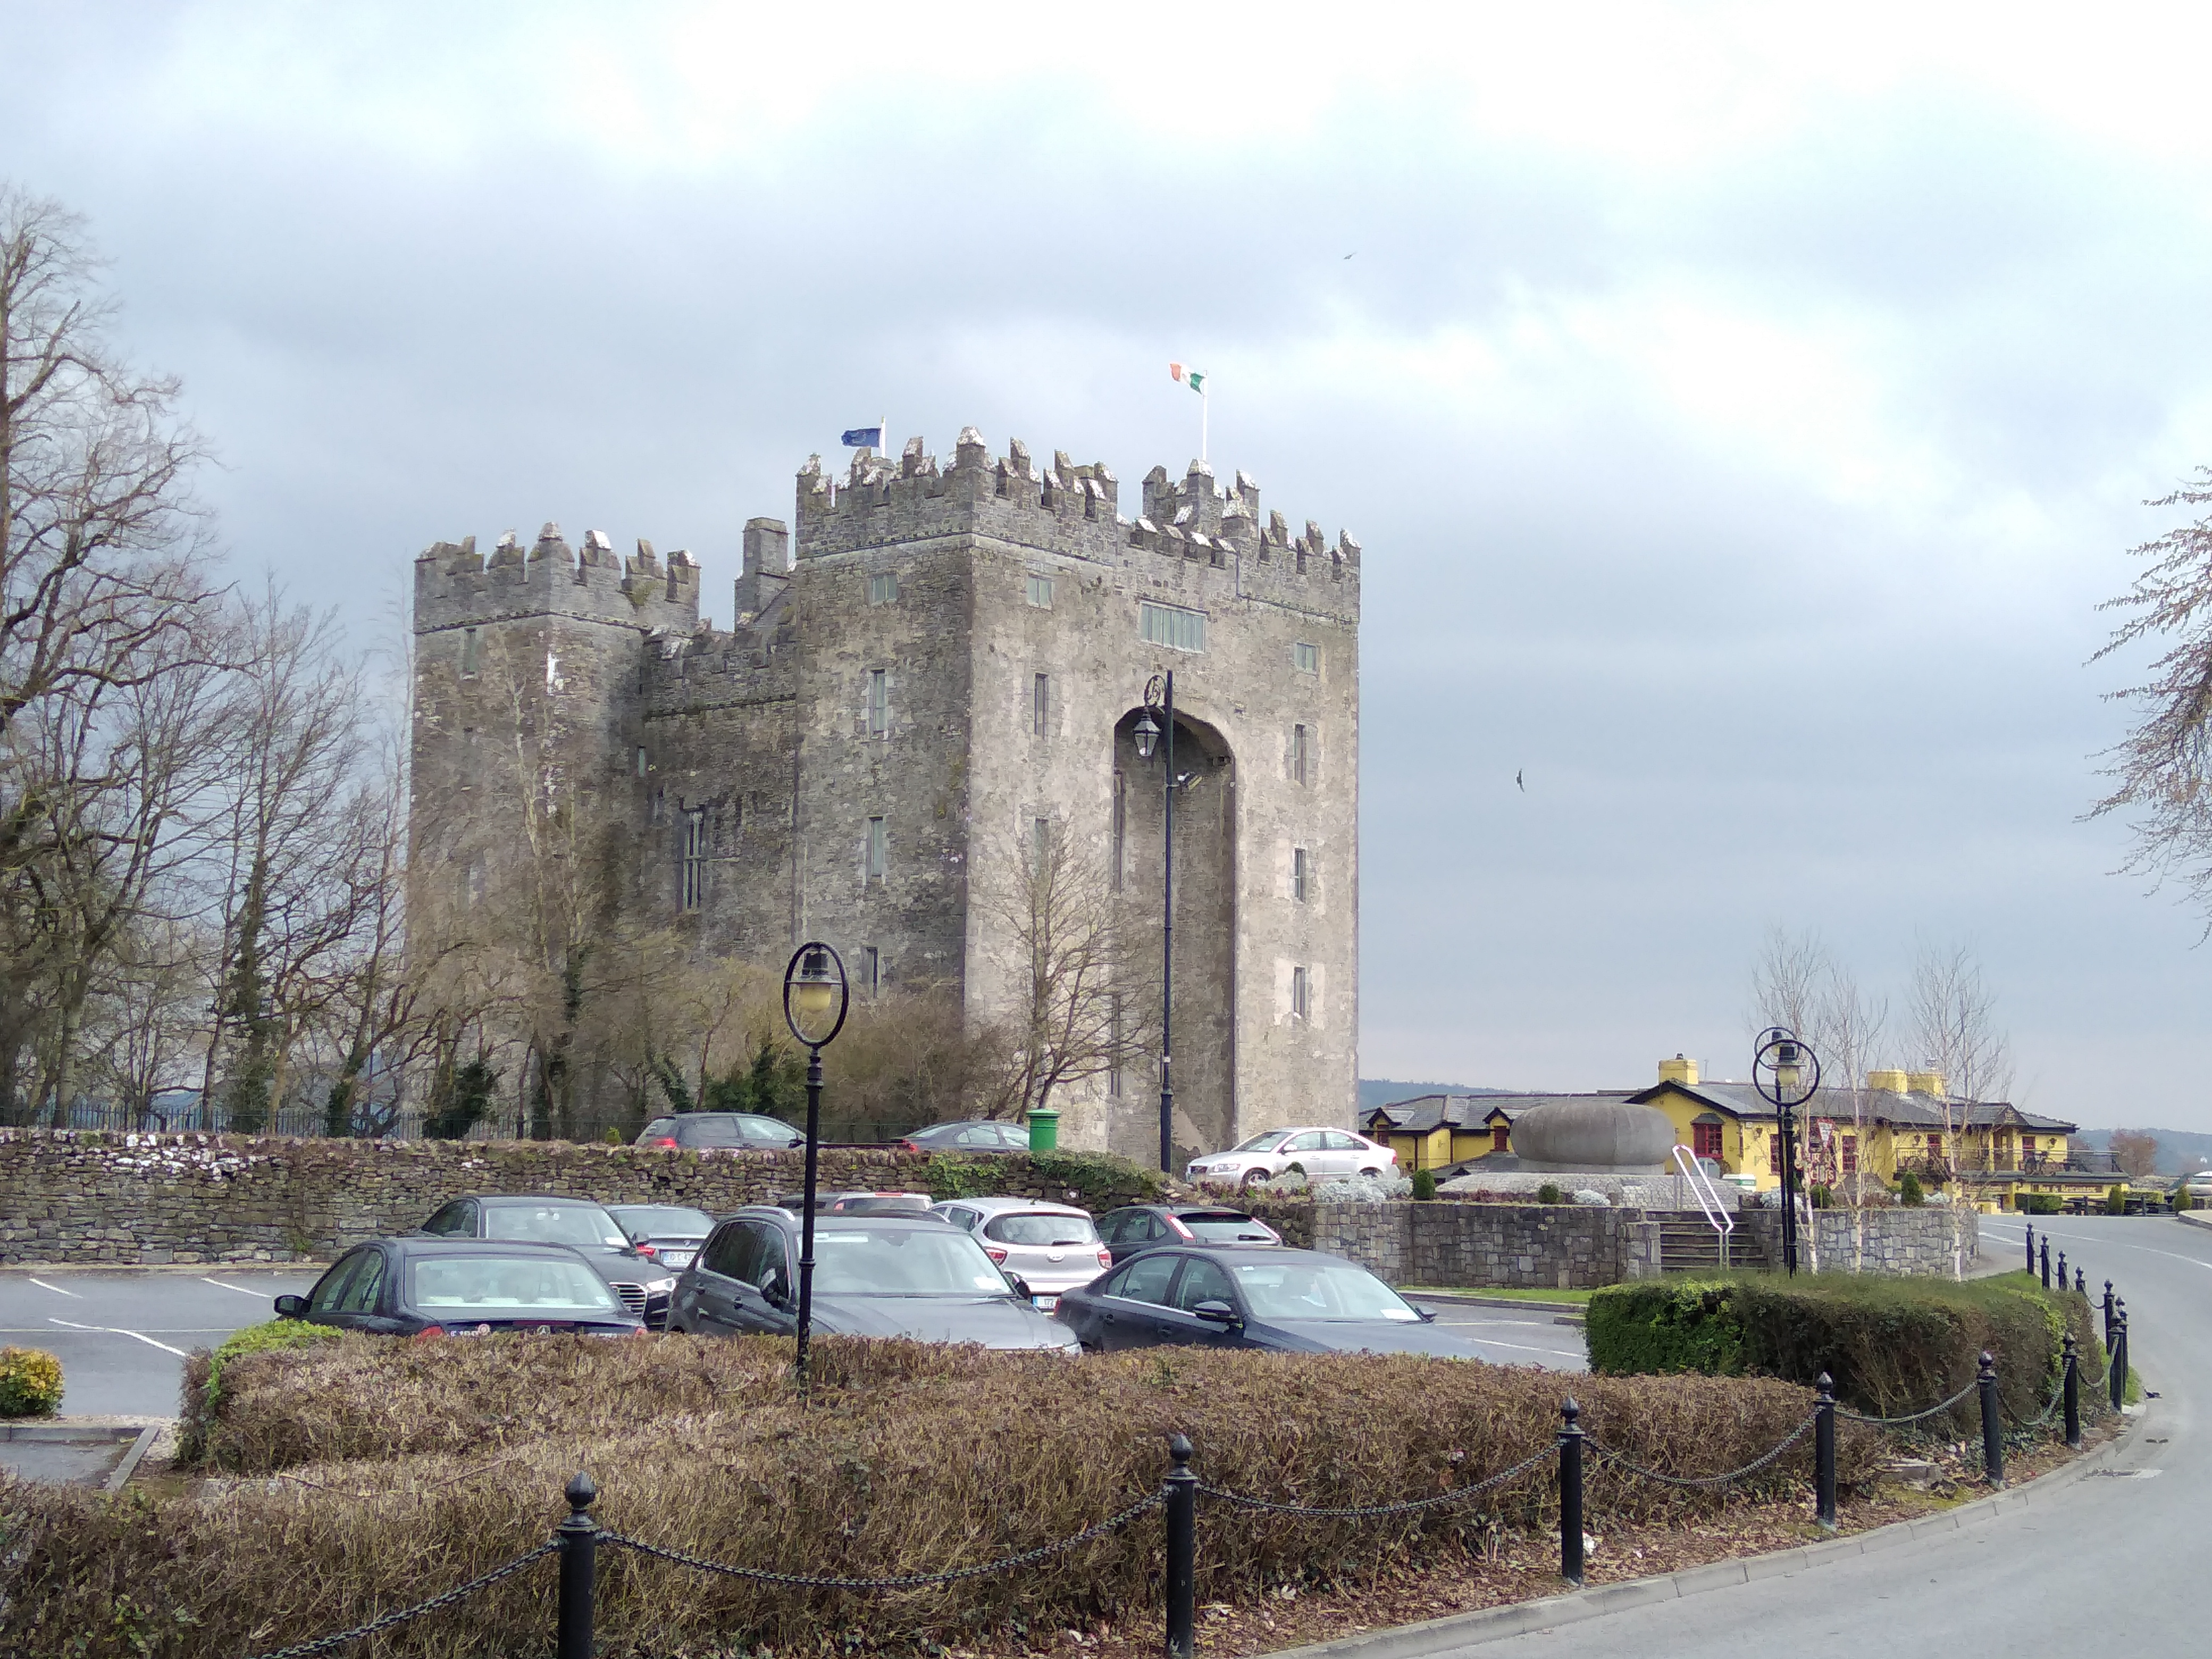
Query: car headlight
653	1286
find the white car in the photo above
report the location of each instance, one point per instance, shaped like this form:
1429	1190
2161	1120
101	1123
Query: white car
1050	1248
1316	1154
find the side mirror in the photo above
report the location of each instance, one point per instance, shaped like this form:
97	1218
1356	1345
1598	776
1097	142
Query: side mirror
291	1307
1428	1315
1215	1313
1019	1285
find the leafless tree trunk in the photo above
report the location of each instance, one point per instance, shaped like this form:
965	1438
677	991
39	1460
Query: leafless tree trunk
1954	1022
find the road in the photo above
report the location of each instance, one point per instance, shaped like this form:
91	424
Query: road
122	1336
1512	1336
2109	1564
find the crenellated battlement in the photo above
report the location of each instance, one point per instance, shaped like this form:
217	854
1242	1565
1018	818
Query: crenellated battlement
456	587
1073	510
716	668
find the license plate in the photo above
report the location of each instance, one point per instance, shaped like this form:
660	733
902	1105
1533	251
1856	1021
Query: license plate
1045	1303
677	1258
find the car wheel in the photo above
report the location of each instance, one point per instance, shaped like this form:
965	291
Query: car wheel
1254	1178
1372	1175
1092	1347
1296	1169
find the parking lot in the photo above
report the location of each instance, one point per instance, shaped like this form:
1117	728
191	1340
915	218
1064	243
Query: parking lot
122	1335
1511	1336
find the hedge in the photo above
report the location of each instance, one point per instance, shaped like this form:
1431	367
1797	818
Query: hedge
1891	1345
371	1474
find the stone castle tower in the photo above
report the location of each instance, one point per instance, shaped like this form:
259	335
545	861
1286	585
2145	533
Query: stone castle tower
953	655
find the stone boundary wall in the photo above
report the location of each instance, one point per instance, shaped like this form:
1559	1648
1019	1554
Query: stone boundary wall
1931	1241
71	1196
1528	1246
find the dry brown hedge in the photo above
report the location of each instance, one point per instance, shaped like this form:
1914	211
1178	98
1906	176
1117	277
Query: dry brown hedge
373	1475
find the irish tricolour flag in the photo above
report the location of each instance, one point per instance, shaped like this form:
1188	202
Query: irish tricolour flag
1189	376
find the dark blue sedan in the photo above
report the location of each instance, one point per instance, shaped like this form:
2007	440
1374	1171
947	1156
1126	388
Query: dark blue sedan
462	1287
1235	1296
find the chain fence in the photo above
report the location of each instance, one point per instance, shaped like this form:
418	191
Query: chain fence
390	1620
1375	1512
1606	1454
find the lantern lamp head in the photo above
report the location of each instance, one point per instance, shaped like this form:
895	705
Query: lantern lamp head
815	994
1147	735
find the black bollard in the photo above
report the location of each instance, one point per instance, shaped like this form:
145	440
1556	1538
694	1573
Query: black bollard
580	1541
2031	1246
2080	1283
2119	1361
2046	1261
1992	1421
2072	1385
1182	1550
2108	1313
2063	1280
1571	1494
1824	1453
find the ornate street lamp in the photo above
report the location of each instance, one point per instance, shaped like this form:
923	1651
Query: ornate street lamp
815	999
1159	695
1786	1073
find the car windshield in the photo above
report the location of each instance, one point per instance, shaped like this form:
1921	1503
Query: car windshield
1227	1227
664	1221
883	1204
902	1262
1265	1143
1046	1230
545	1284
1306	1288
584	1225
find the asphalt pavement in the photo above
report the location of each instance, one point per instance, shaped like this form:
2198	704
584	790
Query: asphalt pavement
2110	1562
1511	1336
122	1335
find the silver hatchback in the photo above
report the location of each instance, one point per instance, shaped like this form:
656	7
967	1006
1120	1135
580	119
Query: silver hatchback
1050	1247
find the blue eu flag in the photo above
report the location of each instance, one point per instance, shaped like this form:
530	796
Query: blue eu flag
864	437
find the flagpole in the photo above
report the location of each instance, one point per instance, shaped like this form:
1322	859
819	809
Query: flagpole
1202	407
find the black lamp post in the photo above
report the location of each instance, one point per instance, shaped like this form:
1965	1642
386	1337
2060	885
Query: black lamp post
1786	1073
815	998
1159	695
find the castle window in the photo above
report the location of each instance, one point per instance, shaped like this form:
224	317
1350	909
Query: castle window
468	757
1040	844
1121	831
641	760
1040	592
1172	626
1298	874
1300	1009
475	887
694	857
879	702
1299	747
871	969
1041	706
882	588
1306	659
880	858
468	650
1114	1071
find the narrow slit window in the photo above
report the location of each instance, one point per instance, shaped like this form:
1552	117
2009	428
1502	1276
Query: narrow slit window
1040	844
1298	746
871	969
469	654
1114	1073
1121	836
694	857
1298	874
879	702
1300	1008
641	760
1041	706
878	854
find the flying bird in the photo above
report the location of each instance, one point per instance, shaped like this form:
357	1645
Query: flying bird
1517	784
1354	251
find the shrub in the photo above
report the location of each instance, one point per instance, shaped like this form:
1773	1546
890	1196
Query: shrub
1909	1190
1425	1185
1891	1345
422	1465
1821	1198
2115	1199
1549	1192
2039	1204
204	1372
30	1382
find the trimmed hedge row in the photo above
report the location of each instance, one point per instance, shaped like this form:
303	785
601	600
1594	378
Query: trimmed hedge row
1892	1345
375	1474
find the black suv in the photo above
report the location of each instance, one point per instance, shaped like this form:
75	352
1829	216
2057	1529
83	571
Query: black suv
582	1225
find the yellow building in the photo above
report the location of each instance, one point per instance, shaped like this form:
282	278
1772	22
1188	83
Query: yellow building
1444	1132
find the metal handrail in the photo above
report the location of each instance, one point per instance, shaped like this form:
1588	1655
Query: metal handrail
1708	1196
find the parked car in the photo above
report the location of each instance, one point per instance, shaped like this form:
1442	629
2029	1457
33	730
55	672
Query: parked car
981	1134
1314	1153
669	1234
1141	1226
874	1275
1054	1246
1231	1296
462	1287
858	1203
720	1131
642	1284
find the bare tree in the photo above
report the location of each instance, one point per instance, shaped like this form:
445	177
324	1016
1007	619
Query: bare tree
1954	1022
1787	982
1848	1026
2135	1151
2159	770
1075	966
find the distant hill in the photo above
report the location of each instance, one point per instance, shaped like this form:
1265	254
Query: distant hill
2175	1146
1380	1091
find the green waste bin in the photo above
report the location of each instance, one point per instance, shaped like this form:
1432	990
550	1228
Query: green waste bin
1044	1129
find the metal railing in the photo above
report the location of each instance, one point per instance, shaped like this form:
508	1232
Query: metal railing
1717	1215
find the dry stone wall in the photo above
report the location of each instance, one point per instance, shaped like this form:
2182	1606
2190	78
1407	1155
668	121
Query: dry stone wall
145	1199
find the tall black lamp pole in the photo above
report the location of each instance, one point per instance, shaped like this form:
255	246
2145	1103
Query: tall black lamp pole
1159	695
1786	1073
815	998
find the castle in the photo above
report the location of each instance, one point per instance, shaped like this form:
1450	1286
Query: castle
954	658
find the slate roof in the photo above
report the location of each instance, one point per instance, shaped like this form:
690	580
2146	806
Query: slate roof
1425	1112
1912	1112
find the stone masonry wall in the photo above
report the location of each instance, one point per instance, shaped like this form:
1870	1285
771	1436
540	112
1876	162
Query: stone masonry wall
1931	1241
151	1198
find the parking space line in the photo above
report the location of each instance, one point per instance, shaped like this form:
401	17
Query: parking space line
56	1290
112	1330
225	1284
1521	1348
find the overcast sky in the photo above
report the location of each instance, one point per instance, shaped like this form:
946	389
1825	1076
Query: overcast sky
1742	416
